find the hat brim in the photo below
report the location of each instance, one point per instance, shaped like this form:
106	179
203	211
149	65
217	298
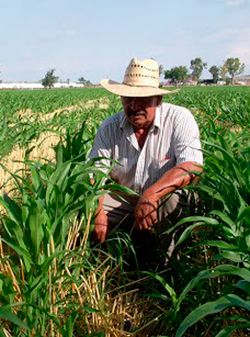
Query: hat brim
133	91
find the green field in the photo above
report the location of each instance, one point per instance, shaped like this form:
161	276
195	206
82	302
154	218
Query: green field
55	282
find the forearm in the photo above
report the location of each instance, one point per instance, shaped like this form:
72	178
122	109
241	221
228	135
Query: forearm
176	178
101	222
100	208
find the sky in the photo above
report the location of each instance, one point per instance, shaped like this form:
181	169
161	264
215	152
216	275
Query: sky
96	39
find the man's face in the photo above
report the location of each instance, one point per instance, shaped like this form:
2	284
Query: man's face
140	111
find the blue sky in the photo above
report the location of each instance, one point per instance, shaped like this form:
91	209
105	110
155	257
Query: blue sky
97	39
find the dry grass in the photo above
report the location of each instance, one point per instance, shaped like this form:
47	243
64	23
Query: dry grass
101	103
113	312
42	149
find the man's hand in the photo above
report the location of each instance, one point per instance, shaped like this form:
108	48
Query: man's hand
146	213
101	227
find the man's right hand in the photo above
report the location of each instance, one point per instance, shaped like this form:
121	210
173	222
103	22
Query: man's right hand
101	227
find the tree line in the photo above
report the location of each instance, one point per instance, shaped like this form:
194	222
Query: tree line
227	72
50	79
179	74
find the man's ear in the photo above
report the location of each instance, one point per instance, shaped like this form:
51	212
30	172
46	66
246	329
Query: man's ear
159	100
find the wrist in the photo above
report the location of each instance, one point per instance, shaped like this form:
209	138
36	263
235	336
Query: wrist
150	195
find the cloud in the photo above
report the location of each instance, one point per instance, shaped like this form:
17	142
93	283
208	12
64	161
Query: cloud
233	3
241	47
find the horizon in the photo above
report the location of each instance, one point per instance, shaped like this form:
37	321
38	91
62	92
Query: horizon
88	39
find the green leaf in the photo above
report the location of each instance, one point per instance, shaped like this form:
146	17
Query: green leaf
12	207
24	253
224	217
166	286
210	308
35	178
35	222
244	285
56	181
225	269
7	315
244	215
227	332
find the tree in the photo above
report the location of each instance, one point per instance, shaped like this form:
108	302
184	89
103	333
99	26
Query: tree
161	69
83	81
215	71
234	67
49	79
177	74
197	66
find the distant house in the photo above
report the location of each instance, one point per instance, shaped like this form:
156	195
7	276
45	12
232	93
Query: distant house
242	80
37	85
221	82
190	82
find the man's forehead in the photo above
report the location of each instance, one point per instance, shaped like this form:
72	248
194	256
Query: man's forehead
147	98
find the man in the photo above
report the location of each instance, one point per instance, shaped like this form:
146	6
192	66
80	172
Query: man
157	149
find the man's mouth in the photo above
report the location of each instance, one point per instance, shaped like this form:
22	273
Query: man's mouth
136	113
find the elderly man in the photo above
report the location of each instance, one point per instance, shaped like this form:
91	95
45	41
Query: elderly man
157	148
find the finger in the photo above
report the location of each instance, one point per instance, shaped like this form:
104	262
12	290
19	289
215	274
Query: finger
154	218
102	238
138	223
149	223
145	224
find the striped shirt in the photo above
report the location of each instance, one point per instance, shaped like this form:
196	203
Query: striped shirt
173	138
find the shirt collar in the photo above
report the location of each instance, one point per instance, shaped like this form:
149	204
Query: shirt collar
157	121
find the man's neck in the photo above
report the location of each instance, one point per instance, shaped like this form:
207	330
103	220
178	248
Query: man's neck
141	136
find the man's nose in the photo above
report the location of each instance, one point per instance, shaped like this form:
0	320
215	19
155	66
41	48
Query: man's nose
134	104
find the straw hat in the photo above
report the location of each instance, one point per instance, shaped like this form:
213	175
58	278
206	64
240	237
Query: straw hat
141	79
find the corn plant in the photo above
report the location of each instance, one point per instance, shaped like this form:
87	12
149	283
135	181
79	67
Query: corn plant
44	241
224	233
53	282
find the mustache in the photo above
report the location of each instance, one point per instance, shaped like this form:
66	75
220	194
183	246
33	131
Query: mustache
136	113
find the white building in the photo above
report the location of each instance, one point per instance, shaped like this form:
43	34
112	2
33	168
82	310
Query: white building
36	85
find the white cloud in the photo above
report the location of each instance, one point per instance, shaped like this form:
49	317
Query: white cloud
234	3
241	48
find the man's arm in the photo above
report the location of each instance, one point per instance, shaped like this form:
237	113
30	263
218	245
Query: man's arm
174	179
101	222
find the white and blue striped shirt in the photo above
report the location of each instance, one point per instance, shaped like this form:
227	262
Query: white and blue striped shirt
172	139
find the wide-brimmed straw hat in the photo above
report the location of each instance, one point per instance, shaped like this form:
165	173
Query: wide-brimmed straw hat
141	79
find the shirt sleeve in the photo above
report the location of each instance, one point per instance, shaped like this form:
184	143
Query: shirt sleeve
186	138
102	148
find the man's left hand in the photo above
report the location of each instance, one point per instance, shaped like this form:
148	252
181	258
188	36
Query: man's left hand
146	213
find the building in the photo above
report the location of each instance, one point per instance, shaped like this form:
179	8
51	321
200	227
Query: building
37	85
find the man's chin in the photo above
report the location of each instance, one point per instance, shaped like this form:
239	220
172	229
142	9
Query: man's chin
139	125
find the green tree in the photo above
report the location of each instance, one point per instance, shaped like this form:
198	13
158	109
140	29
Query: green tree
83	81
177	74
49	79
197	66
215	71
234	67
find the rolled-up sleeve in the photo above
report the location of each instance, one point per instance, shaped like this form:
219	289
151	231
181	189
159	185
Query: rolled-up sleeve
186	138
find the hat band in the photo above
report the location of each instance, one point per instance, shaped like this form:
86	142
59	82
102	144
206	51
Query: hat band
140	85
141	81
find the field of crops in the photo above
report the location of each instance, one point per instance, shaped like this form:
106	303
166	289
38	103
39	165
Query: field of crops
55	282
